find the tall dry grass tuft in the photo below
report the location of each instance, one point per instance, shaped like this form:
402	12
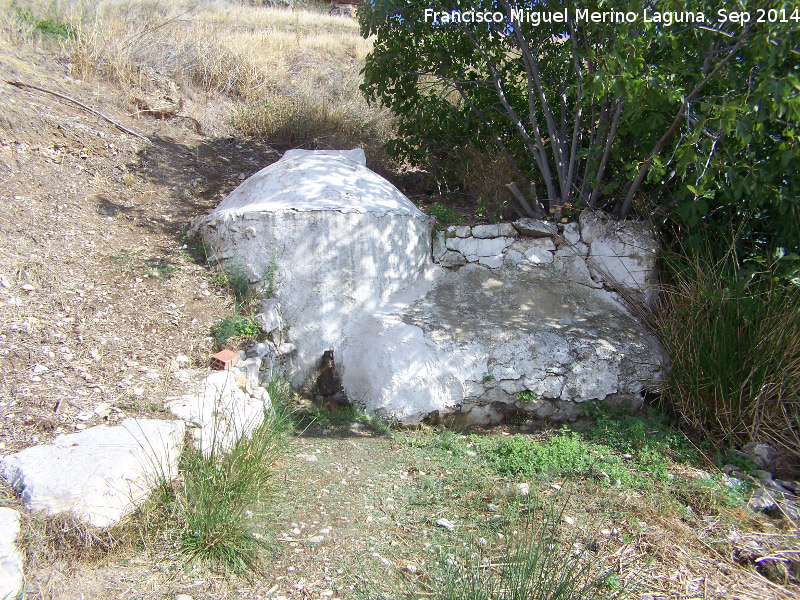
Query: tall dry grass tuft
290	76
736	354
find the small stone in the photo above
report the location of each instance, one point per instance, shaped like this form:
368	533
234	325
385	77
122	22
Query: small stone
761	499
286	348
761	454
789	510
732	482
483	542
728	469
492	507
461	231
789	485
536	227
27	287
604	475
84	416
183	597
242	176
571	232
411	569
316	539
569	520
518	489
37	369
102	410
260	350
307	457
451	259
449	525
762	475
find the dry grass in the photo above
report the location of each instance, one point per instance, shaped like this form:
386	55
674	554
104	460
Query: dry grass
288	76
736	355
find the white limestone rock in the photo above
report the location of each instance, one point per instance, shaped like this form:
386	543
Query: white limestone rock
494	230
100	474
536	227
621	253
11	561
270	319
439	246
333	238
429	350
461	231
452	259
221	411
571	233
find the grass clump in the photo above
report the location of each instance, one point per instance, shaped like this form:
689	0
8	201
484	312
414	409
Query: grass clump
539	560
207	515
735	348
237	282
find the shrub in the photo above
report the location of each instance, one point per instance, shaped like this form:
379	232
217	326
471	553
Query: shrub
444	216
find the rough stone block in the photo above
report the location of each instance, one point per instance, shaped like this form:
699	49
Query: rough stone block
536	227
100	474
221	412
11	561
335	237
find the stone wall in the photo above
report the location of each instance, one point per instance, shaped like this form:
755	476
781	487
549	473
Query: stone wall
596	251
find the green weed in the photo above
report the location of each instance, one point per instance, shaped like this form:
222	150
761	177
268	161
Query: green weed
568	455
646	432
234	326
444	216
125	259
52	27
161	268
193	248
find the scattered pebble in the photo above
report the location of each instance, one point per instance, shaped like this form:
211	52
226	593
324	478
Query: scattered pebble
449	525
316	539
